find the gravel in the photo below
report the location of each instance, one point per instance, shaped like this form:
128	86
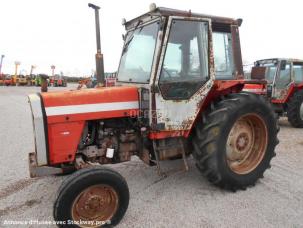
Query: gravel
181	199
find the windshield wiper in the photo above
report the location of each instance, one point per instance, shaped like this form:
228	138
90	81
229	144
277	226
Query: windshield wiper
131	37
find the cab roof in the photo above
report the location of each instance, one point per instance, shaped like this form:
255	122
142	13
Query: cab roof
166	12
278	60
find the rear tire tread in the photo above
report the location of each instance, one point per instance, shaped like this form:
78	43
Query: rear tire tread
206	155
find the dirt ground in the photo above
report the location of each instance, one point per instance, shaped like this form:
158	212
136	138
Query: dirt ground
182	199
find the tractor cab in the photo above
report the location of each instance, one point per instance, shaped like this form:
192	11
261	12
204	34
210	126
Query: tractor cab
175	57
284	88
282	76
170	47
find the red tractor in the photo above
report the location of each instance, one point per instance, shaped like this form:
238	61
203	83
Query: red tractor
8	80
177	94
284	86
59	82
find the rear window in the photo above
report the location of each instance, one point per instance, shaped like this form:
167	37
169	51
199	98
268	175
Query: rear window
298	72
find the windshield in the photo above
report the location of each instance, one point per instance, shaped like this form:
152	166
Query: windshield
137	55
271	69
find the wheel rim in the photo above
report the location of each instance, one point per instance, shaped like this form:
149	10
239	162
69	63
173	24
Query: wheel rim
301	111
96	203
246	144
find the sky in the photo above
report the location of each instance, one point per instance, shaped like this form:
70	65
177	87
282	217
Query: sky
62	32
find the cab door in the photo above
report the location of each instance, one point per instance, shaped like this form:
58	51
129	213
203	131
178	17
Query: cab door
282	81
185	75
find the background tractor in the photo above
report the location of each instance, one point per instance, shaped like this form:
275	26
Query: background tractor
32	79
2	78
177	94
87	83
8	80
12	80
284	86
110	79
38	79
59	82
21	80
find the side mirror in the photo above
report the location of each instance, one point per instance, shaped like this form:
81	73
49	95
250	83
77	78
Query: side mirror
283	65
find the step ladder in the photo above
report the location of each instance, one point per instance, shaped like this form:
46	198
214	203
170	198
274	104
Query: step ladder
157	149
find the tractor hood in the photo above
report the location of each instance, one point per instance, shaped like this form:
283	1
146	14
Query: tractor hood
88	104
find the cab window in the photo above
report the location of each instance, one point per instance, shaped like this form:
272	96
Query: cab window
223	55
298	72
283	78
185	65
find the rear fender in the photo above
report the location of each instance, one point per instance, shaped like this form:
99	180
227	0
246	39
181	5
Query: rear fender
296	88
220	88
290	92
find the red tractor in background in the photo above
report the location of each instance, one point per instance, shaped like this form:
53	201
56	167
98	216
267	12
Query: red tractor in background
177	94
110	79
8	80
91	82
58	81
283	87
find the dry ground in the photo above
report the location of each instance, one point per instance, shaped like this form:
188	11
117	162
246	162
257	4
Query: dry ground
181	199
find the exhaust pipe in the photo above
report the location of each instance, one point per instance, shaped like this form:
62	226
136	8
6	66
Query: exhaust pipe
99	55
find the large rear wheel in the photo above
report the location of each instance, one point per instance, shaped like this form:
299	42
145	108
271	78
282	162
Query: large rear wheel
295	110
92	197
234	141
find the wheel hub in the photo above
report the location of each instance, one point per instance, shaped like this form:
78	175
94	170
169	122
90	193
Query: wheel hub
239	141
242	141
96	203
246	143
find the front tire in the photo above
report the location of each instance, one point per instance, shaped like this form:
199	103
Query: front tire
295	110
93	194
235	140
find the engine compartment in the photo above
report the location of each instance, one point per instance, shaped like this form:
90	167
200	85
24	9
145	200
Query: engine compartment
109	141
117	140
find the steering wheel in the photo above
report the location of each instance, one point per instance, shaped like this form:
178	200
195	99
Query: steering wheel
181	92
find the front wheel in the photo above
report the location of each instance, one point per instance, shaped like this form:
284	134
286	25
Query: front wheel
92	197
235	140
